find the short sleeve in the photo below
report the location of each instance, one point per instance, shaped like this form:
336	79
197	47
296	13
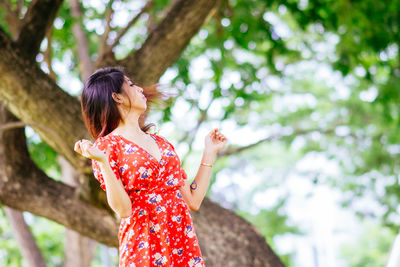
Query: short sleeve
183	174
183	177
97	170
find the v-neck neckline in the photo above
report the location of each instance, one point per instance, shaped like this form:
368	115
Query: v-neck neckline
142	148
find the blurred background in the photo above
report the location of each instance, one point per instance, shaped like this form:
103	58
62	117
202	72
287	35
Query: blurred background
307	93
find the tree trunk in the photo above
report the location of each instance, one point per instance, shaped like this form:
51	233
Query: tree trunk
33	97
228	240
29	249
25	187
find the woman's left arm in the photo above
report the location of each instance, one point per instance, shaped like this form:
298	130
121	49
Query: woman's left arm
194	193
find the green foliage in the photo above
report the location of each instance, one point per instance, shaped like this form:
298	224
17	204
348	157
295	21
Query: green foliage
10	254
370	249
271	222
48	235
44	156
243	48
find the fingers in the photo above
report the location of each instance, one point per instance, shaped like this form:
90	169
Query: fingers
218	135
77	147
82	146
212	133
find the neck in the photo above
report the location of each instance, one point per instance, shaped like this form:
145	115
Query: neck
130	126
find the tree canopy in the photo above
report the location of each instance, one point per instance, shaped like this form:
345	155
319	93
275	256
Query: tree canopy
304	77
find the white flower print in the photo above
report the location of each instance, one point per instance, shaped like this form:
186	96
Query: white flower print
144	172
154	228
143	244
159	260
159	231
176	219
123	168
195	262
129	149
131	233
189	231
154	198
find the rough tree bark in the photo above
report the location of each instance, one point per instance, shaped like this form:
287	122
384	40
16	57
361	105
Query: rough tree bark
27	188
78	248
36	22
34	97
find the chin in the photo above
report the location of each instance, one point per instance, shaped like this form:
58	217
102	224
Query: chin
140	109
143	107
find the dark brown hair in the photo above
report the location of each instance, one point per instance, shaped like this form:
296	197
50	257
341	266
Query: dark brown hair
99	110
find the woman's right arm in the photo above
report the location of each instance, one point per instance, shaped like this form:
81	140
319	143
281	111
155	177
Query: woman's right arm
117	197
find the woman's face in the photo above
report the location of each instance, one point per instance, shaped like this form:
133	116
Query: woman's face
133	97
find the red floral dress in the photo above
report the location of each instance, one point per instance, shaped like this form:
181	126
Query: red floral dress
159	232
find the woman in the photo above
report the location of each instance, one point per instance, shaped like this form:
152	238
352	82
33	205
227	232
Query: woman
142	175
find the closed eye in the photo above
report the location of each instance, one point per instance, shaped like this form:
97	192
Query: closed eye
131	83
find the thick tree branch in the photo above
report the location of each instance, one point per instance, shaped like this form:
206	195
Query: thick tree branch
30	99
37	21
33	97
167	41
25	187
57	139
40	100
219	230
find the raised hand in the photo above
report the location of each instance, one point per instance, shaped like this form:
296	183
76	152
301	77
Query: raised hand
88	150
215	141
